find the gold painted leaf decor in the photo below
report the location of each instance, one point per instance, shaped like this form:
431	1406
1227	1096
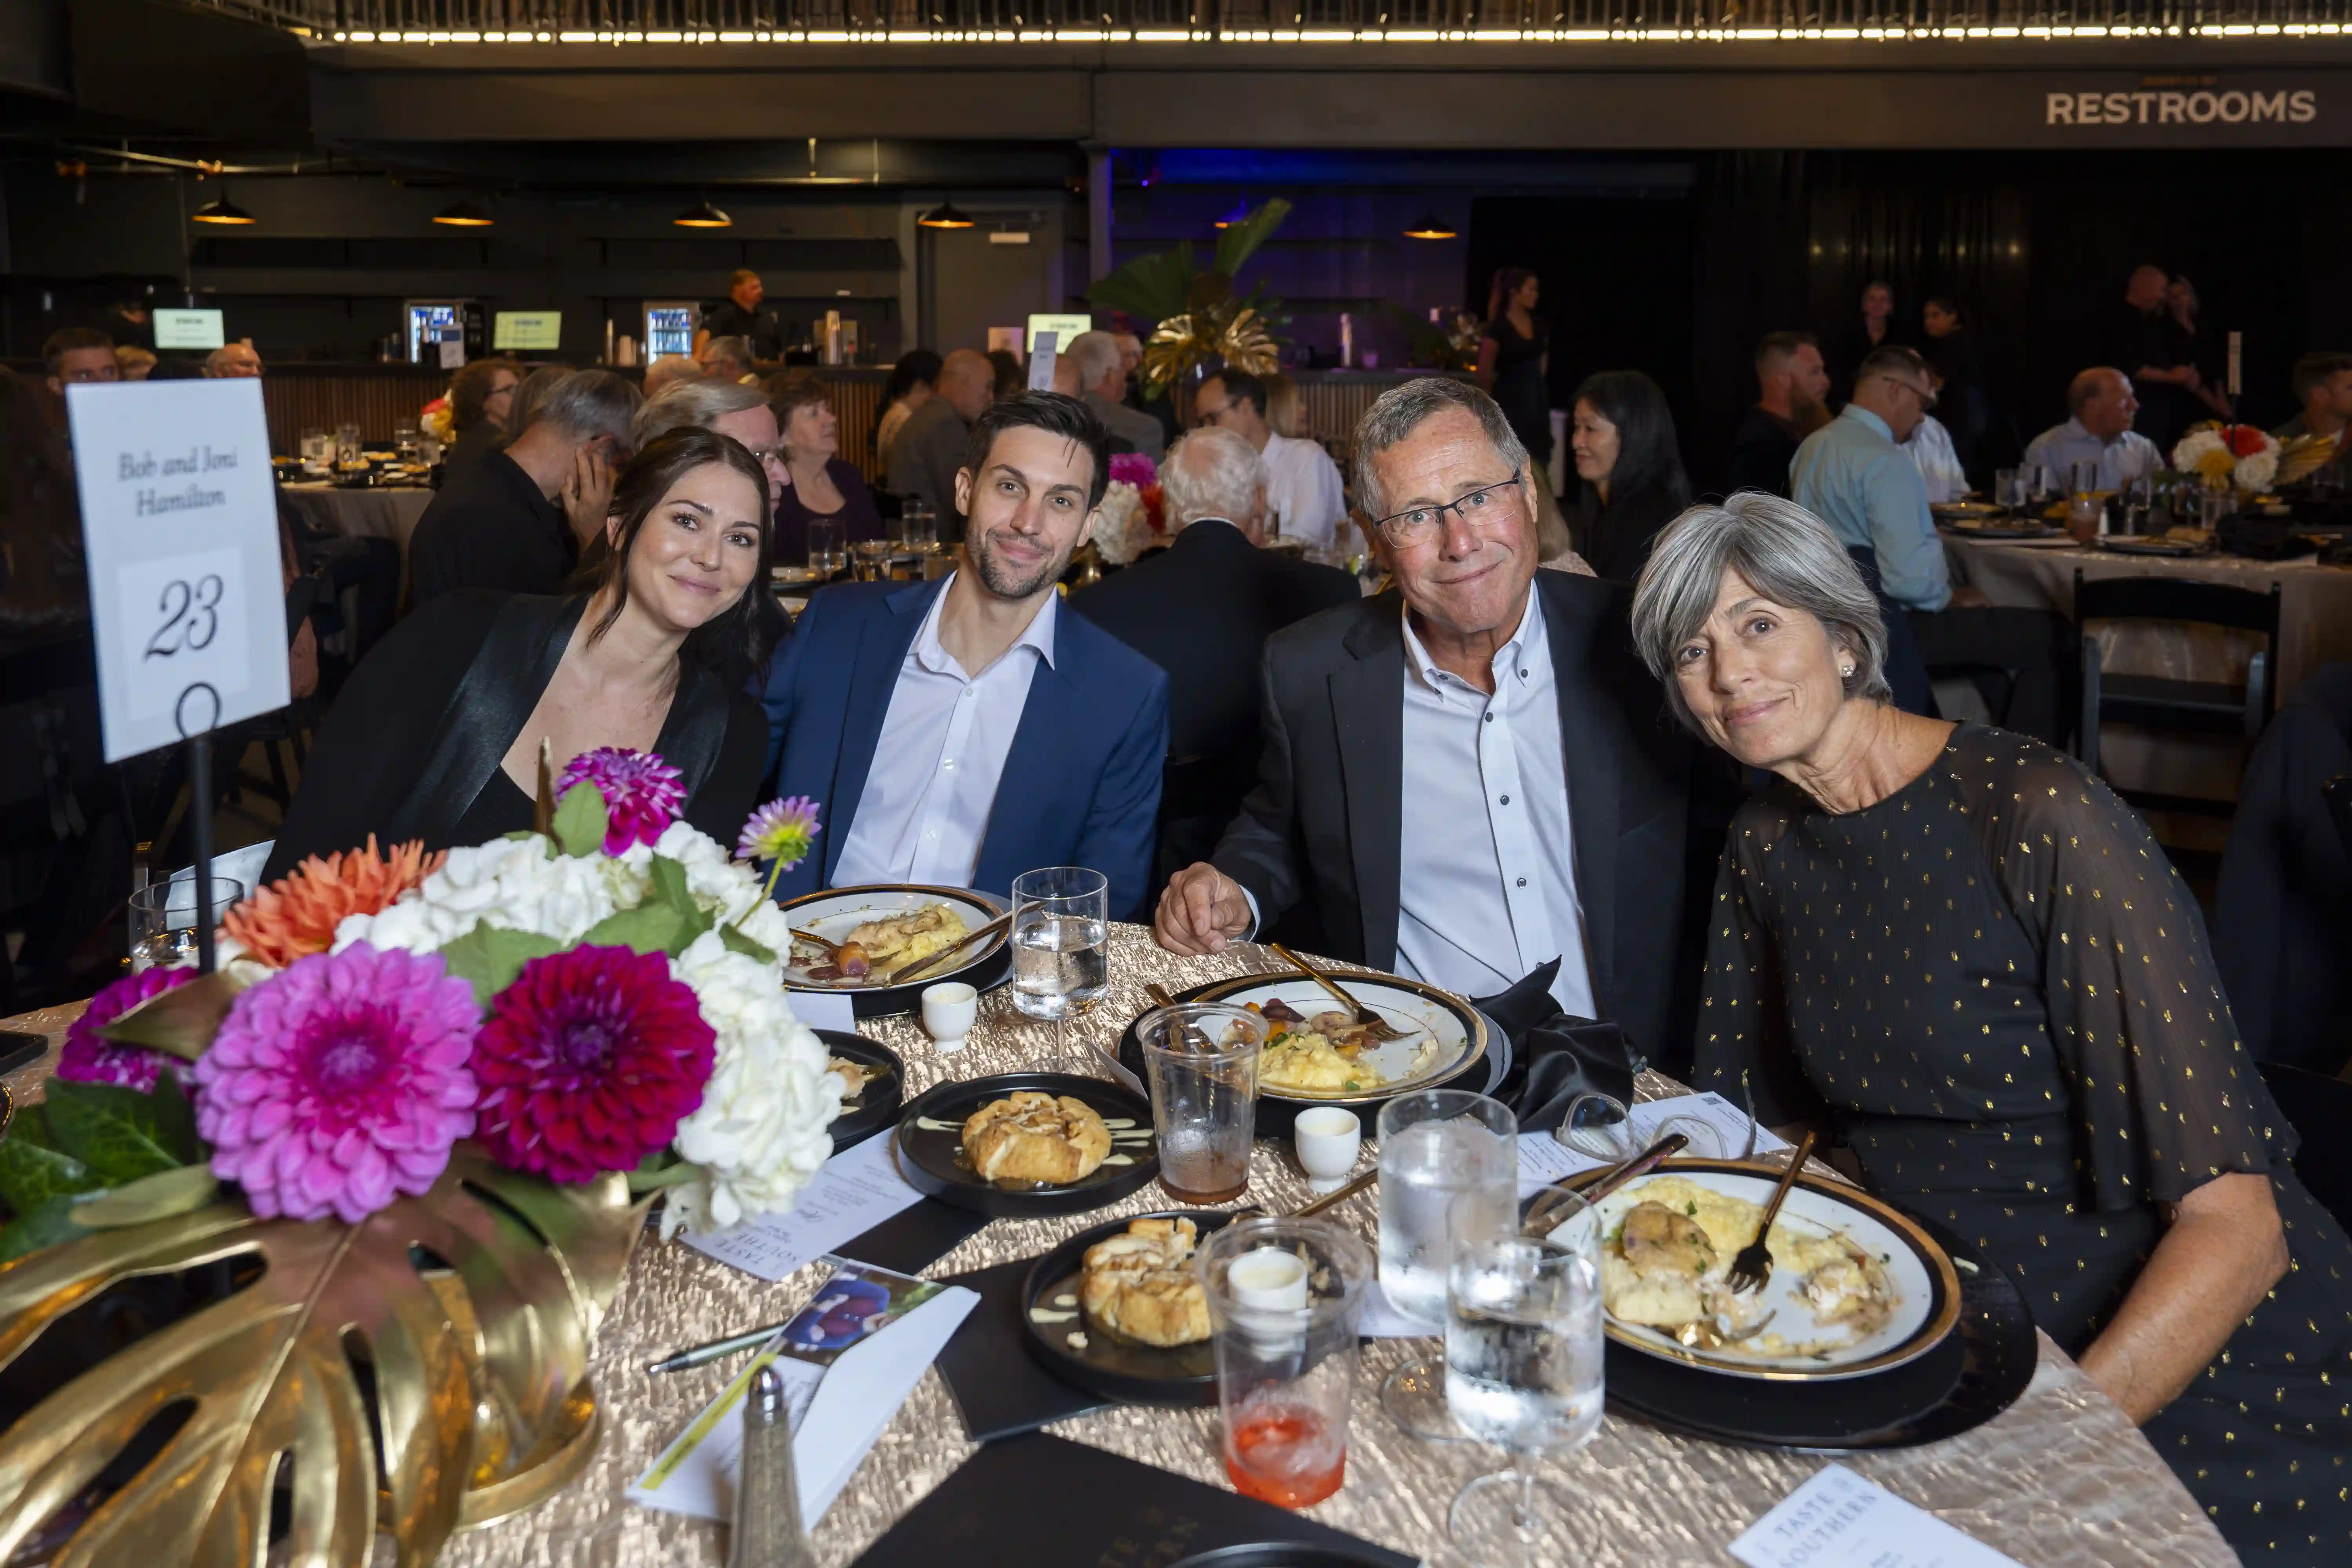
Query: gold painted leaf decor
421	1370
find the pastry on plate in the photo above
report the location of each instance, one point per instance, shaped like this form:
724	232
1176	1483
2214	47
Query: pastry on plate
1033	1137
1140	1286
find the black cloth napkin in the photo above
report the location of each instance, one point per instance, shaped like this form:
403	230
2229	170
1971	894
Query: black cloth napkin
915	1237
1555	1056
999	1387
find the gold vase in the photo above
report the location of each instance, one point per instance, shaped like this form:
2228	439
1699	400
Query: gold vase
422	1371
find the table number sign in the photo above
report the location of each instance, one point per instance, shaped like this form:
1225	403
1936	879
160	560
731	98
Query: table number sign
1838	1520
180	528
1042	353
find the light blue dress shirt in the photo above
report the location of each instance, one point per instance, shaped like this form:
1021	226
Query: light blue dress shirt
2129	457
1852	475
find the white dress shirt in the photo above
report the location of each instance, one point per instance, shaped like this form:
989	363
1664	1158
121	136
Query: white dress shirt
1932	453
2129	457
936	764
1303	491
1486	885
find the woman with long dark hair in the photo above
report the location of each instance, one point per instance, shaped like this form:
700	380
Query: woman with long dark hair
1622	439
436	736
914	381
1514	359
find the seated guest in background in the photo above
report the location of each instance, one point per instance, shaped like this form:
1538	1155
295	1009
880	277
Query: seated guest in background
931	444
1011	376
2022	1037
1930	445
2323	389
436	735
1791	383
481	396
668	369
730	408
73	356
1162	407
726	359
2101	408
2143	342
1950	351
516	521
963	732
913	382
1090	368
1622	435
134	361
1285	410
231	362
820	486
1466	776
1304	496
739	316
1202	610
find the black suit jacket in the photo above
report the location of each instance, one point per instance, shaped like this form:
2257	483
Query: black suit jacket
1202	610
1761	450
1326	820
490	527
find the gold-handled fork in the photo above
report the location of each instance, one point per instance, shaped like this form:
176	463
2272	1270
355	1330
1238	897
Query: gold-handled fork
1753	1266
1371	1023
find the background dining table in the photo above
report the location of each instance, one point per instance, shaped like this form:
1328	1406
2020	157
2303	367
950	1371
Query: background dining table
375	512
2060	1479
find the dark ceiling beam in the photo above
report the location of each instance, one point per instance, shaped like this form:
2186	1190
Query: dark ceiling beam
153	65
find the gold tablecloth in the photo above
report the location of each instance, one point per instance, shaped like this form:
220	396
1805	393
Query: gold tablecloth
2060	1480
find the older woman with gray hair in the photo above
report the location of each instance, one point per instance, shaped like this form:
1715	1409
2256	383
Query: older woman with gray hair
1968	960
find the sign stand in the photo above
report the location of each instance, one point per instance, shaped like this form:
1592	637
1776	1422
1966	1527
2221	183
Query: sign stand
200	835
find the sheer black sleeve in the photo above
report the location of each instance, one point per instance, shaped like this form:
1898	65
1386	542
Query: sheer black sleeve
1743	1022
2166	1097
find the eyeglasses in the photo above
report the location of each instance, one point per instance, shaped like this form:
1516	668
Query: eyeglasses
1205	418
1925	395
1405	529
763	456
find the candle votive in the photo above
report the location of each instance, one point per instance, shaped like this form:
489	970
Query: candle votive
1326	1139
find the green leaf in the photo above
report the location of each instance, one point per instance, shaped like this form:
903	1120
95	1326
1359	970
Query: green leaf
32	1173
1152	288
175	1118
114	1132
648	928
661	1170
46	1223
491	956
737	943
159	1196
1235	243
669	886
581	820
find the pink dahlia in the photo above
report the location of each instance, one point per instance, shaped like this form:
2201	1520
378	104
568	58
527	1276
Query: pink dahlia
1133	469
589	1061
642	793
89	1059
340	1083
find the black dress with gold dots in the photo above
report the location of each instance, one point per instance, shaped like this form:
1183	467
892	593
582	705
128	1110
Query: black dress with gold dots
1995	989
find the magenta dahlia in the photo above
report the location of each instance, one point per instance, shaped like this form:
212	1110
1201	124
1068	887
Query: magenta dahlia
588	1062
340	1083
89	1059
642	794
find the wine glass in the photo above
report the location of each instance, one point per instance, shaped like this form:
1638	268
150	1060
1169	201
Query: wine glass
1061	943
163	919
1523	1365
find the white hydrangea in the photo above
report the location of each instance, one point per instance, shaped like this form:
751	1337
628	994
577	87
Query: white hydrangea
513	883
2253	474
761	1132
1125	525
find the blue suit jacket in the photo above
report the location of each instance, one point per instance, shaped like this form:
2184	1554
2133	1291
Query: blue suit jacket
1081	785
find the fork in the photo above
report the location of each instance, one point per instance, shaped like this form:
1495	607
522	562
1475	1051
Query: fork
1371	1023
1753	1266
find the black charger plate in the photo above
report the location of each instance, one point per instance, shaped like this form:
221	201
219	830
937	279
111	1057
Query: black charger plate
932	1159
1117	1369
1276	1114
877	1105
1980	1370
1288	1554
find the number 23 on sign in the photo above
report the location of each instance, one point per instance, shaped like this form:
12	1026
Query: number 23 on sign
174	613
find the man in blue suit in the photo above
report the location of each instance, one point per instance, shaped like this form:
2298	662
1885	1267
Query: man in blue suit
963	732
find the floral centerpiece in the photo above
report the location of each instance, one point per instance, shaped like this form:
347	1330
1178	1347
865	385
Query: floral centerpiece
1134	510
412	1076
2243	456
438	420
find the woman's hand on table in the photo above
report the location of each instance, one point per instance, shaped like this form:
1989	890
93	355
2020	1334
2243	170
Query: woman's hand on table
2216	1262
1200	911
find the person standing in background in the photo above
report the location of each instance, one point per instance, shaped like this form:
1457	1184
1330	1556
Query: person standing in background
1951	353
2192	346
739	316
1630	468
2143	343
1515	363
1862	337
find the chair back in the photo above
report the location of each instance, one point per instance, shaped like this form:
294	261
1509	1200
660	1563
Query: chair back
2320	1110
2178	599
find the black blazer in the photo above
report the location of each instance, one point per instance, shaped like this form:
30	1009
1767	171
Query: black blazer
425	722
490	527
1325	821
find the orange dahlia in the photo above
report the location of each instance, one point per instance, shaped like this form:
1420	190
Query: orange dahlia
296	915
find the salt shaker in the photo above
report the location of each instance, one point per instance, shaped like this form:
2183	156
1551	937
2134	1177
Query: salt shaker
767	1532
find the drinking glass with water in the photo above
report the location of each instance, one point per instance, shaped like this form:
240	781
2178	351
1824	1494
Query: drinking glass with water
1523	1362
1061	935
1436	1147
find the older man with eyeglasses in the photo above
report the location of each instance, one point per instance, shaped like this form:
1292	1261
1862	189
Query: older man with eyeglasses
1468	777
